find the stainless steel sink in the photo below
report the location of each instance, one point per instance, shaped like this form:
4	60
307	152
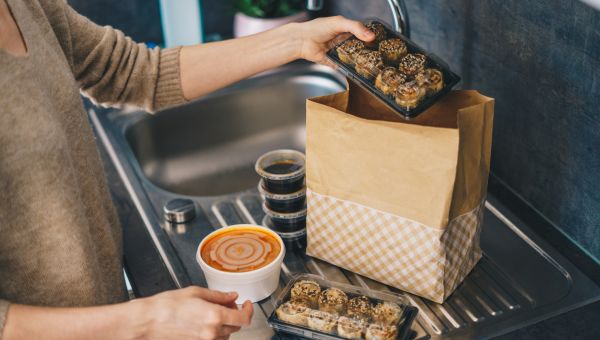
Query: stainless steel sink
205	150
209	147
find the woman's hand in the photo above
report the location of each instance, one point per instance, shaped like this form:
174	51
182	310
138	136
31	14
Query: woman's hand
316	37
189	313
192	313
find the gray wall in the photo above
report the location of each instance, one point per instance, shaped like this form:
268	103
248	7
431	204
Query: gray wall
541	61
139	19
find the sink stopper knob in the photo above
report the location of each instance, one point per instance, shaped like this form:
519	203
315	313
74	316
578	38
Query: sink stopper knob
180	210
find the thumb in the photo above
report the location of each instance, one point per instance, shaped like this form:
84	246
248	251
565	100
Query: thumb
213	296
355	27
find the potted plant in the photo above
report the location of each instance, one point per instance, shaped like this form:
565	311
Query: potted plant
254	16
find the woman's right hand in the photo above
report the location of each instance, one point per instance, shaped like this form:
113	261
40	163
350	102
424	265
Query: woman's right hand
190	313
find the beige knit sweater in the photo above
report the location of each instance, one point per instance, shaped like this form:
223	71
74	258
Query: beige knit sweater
60	240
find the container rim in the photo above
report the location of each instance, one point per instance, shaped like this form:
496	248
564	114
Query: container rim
280	154
204	266
283	216
287	236
279	197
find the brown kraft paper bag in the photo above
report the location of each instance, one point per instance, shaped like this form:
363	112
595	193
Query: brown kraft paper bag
398	201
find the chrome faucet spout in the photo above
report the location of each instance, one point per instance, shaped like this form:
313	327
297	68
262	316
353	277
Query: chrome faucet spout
400	15
314	5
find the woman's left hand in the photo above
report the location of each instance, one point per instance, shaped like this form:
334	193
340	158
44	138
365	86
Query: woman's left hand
317	36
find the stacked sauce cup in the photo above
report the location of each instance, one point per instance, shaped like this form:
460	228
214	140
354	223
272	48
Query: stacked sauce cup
284	192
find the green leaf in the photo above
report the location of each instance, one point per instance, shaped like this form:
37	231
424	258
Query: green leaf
268	8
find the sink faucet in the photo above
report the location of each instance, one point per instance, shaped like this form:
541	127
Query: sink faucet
398	8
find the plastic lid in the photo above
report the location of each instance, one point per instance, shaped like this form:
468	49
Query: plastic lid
276	156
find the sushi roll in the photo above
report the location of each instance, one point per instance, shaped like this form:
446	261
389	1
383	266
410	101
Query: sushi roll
431	79
381	332
392	50
348	50
368	63
306	290
408	95
350	328
386	313
322	321
294	313
333	300
301	302
411	64
359	307
389	79
379	31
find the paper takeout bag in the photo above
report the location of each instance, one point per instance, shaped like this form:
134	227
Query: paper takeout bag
399	202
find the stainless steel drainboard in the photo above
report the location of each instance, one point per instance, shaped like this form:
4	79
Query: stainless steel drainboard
518	281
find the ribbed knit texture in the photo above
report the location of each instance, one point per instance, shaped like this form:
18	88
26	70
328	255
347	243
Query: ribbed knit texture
168	87
60	239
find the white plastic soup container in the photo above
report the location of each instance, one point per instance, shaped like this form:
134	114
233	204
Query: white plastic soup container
253	285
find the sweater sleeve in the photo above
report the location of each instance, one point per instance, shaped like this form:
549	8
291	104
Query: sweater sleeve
3	311
110	67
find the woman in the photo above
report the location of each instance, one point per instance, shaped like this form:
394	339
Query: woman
60	241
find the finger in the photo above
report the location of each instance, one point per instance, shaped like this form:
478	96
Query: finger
359	30
213	296
337	40
236	317
232	305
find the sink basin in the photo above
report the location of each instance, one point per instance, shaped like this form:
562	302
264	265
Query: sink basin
208	147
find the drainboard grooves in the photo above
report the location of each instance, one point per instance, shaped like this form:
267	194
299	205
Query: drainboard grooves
449	310
474	292
467	308
356	279
251	207
427	314
295	263
226	213
512	288
487	282
326	270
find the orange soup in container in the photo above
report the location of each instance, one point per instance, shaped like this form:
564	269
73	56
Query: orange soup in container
243	258
240	250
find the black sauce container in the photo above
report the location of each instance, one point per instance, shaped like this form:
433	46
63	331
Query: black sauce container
286	222
292	240
283	203
282	171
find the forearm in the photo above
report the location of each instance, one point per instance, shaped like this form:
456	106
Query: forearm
104	322
208	67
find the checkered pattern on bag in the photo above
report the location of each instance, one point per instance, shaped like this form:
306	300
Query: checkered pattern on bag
400	252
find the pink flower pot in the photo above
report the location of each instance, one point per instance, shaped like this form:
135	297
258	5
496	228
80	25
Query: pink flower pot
244	25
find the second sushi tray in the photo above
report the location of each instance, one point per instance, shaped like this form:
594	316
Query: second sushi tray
315	308
394	69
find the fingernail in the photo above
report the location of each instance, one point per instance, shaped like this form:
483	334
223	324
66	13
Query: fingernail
232	293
